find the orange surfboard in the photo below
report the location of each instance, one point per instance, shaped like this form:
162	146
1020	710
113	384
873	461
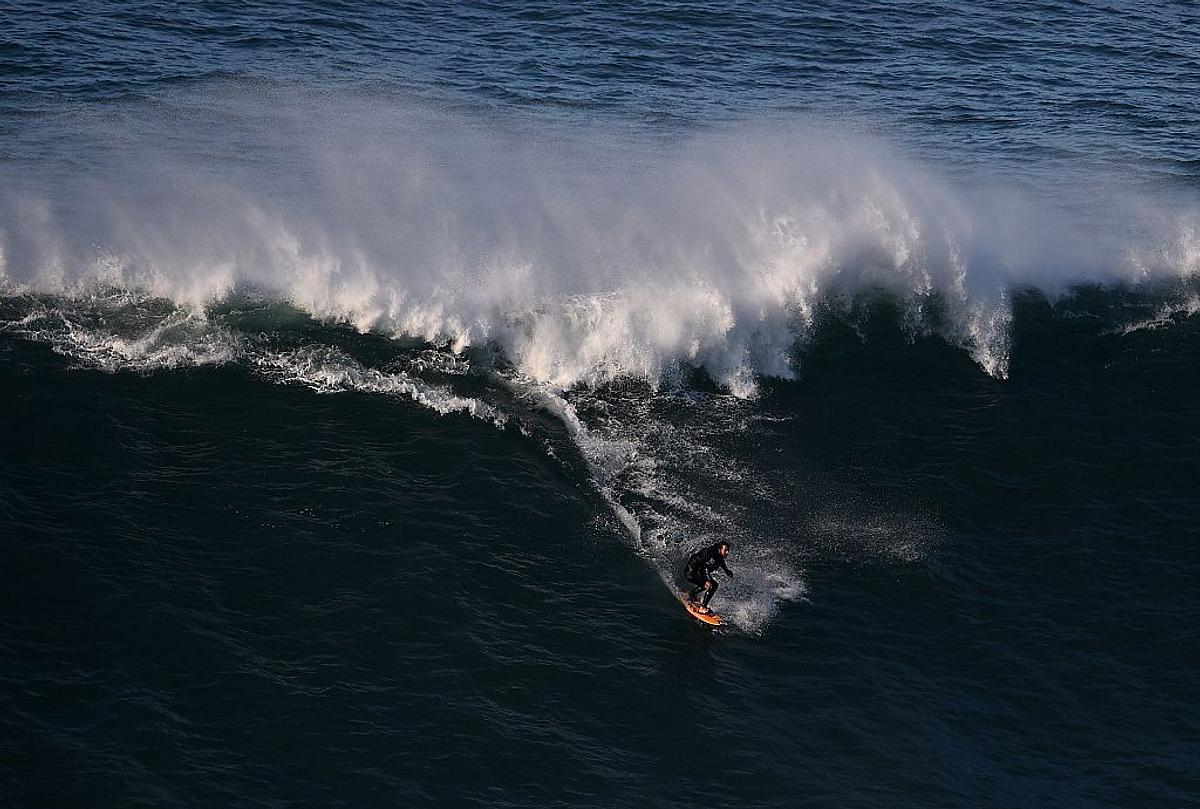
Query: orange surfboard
710	618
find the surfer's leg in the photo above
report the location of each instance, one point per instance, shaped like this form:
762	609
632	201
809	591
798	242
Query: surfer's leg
710	589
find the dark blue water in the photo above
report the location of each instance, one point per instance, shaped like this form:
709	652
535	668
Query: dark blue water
367	373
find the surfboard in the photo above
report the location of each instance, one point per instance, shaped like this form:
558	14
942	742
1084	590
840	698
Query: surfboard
711	618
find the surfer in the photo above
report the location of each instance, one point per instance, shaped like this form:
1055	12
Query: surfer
698	570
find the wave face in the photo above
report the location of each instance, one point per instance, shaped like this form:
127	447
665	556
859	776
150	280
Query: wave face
674	461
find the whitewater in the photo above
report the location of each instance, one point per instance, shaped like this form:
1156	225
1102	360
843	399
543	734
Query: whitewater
584	256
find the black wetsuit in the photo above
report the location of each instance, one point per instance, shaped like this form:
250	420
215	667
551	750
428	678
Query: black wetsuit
699	568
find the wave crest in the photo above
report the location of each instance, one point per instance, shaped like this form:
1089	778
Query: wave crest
585	256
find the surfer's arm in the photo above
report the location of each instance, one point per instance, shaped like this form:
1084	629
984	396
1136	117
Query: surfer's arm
725	567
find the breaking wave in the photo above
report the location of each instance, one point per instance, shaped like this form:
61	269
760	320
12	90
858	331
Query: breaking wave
587	274
586	256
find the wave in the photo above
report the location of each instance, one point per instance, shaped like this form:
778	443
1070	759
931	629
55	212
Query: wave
586	256
589	275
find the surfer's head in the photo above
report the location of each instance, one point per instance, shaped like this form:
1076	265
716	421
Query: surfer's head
723	549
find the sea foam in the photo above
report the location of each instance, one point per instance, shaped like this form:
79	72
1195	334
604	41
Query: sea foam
584	253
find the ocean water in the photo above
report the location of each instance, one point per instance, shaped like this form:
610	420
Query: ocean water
367	372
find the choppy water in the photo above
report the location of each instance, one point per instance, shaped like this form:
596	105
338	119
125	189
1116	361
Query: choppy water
368	372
